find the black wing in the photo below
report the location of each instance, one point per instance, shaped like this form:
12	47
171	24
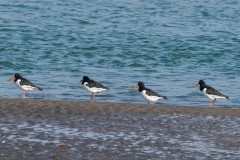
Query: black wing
92	83
24	81
213	91
150	92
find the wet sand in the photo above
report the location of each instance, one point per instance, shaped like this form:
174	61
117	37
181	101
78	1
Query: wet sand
33	129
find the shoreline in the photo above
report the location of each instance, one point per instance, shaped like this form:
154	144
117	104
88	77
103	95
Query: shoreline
113	107
34	129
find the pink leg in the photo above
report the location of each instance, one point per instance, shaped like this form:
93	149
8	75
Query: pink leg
149	102
24	94
214	100
93	95
211	103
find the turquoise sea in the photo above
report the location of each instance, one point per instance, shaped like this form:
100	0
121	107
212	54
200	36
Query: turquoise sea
168	44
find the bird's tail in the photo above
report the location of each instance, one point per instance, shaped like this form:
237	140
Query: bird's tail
39	88
164	97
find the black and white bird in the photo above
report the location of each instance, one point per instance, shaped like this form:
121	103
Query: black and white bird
148	94
92	86
209	92
24	84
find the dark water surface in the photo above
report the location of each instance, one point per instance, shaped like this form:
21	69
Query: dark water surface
169	45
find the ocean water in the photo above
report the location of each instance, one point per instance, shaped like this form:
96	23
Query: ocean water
168	44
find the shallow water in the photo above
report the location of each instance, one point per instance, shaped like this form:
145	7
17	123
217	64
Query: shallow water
169	45
164	136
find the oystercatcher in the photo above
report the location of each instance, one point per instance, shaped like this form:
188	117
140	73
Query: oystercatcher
92	86
209	92
148	94
24	84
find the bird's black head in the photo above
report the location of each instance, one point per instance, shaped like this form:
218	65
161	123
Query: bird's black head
17	76
201	83
85	79
141	84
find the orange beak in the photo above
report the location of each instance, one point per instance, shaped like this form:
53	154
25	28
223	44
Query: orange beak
12	78
134	86
81	80
195	85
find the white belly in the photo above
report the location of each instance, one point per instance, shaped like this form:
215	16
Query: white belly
149	98
93	89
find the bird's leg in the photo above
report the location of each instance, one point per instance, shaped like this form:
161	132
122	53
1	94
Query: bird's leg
213	101
149	102
93	95
24	94
210	104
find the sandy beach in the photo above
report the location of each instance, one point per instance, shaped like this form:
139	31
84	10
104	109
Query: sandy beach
34	129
